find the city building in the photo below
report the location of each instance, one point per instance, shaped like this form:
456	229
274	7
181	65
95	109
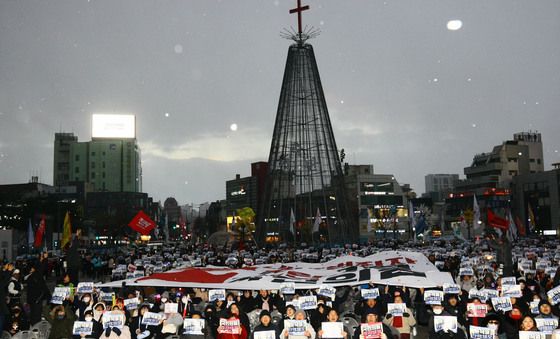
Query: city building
379	197
438	186
496	169
538	195
110	162
240	193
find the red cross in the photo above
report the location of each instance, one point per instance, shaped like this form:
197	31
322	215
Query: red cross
298	10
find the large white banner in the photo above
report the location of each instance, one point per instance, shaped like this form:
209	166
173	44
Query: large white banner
411	269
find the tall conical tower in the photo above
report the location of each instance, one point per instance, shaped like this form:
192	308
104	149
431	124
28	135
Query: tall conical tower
305	177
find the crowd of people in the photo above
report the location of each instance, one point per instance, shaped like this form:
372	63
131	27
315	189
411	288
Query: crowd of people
490	299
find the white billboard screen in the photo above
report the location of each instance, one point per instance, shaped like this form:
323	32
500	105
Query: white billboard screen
113	126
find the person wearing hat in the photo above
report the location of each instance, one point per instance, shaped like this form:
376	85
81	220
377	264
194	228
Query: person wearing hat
369	318
15	288
97	326
265	325
309	332
37	292
494	321
206	333
545	311
138	329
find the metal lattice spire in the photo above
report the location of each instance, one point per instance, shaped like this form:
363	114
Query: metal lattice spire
305	173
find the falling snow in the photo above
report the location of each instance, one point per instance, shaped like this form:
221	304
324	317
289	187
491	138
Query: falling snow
454	25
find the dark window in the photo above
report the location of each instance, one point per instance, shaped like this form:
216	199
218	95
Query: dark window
92	154
77	170
93	164
93	175
77	157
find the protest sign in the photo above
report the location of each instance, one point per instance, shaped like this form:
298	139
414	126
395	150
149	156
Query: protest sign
451	289
153	319
82	327
477	294
288	288
58	298
466	271
332	329
295	327
308	302
433	297
107	297
264	335
327	291
170	308
193	326
445	323
372	331
214	295
512	291
113	319
554	295
396	309
547	325
131	304
531	335
478	332
229	326
534	306
372	293
476	310
509	281
502	304
84	287
490	293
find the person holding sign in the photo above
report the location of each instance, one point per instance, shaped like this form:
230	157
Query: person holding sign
494	322
97	328
404	323
139	329
298	332
81	305
332	317
369	319
266	329
366	306
234	316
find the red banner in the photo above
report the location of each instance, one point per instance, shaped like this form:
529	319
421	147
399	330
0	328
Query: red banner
142	223
40	232
496	221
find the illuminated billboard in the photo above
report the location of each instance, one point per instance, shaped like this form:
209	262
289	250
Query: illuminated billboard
113	126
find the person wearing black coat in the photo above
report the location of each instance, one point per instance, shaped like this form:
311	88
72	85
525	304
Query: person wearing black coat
5	277
73	259
137	327
97	327
265	325
37	292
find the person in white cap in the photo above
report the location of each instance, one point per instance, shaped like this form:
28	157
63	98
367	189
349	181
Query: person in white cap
15	288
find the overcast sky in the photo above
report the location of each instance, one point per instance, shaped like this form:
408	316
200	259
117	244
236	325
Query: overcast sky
404	93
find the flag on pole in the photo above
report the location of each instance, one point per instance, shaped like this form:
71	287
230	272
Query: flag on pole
411	215
476	213
40	232
532	221
317	222
520	227
512	231
369	226
496	221
30	239
292	222
421	225
66	231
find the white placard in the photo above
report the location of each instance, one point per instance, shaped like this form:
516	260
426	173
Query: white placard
58	298
170	307
371	293
490	293
82	327
106	296
327	291
113	319
531	335
547	325
264	335
395	309
509	281
554	295
534	306
466	271
502	304
445	323
193	326
131	304
433	297
308	302
214	295
151	318
451	289
295	327
332	329
512	291
475	293
84	287
478	332
288	288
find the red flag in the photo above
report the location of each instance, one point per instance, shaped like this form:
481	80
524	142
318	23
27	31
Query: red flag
40	231
142	223
520	227
496	221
